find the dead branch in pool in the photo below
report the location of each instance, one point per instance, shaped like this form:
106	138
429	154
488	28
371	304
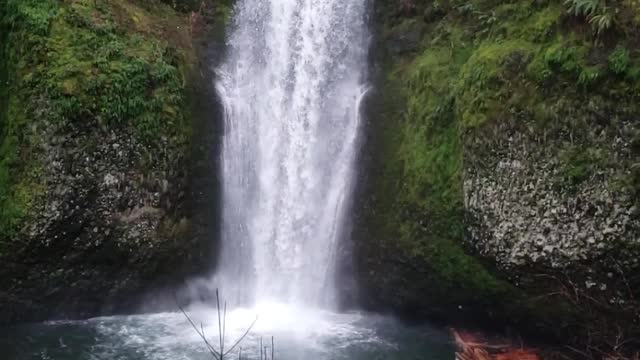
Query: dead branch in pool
220	353
213	351
264	353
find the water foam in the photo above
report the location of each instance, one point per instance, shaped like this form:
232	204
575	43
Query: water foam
298	332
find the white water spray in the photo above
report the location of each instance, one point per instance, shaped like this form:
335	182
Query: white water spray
291	87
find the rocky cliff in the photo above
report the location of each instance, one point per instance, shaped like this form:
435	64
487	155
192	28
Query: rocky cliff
501	179
97	149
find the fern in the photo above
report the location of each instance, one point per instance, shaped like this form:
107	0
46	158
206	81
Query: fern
601	22
584	7
597	13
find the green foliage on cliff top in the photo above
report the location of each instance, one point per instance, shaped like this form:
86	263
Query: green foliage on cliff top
127	76
121	64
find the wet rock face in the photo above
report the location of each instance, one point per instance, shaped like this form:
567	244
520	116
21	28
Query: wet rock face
99	185
105	193
405	39
535	197
111	225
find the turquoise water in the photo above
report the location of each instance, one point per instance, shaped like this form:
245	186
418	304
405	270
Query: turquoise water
298	335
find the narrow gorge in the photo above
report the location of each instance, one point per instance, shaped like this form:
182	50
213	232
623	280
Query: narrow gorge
354	179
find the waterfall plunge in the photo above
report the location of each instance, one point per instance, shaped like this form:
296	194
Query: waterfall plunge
291	87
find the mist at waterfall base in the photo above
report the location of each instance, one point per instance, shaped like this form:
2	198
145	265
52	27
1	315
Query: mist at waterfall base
291	85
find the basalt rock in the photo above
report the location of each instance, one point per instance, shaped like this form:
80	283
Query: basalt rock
109	225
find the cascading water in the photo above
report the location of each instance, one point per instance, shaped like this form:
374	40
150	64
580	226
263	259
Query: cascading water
291	87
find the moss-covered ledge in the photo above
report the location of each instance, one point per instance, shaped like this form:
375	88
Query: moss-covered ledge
496	120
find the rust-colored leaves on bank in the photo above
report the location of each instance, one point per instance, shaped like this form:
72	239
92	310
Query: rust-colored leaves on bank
474	347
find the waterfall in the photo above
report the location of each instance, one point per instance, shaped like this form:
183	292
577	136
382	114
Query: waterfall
291	86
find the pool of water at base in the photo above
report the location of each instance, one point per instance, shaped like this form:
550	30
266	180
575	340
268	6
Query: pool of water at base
298	334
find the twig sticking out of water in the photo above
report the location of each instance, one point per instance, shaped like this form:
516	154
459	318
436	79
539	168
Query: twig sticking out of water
242	337
222	325
214	353
264	350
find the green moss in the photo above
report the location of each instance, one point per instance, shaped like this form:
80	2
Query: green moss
419	198
543	24
118	63
525	20
19	186
486	64
4	76
619	60
486	80
429	147
19	181
118	77
579	164
571	58
430	151
183	5
4	97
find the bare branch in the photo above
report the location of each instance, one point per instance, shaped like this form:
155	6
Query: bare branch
222	324
213	351
224	327
243	336
219	324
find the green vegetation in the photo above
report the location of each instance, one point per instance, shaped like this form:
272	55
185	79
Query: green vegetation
117	64
219	9
184	5
579	164
17	186
530	64
599	15
431	152
89	57
419	194
619	60
4	96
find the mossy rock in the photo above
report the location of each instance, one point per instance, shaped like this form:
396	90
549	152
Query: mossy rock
67	62
96	126
490	73
487	81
